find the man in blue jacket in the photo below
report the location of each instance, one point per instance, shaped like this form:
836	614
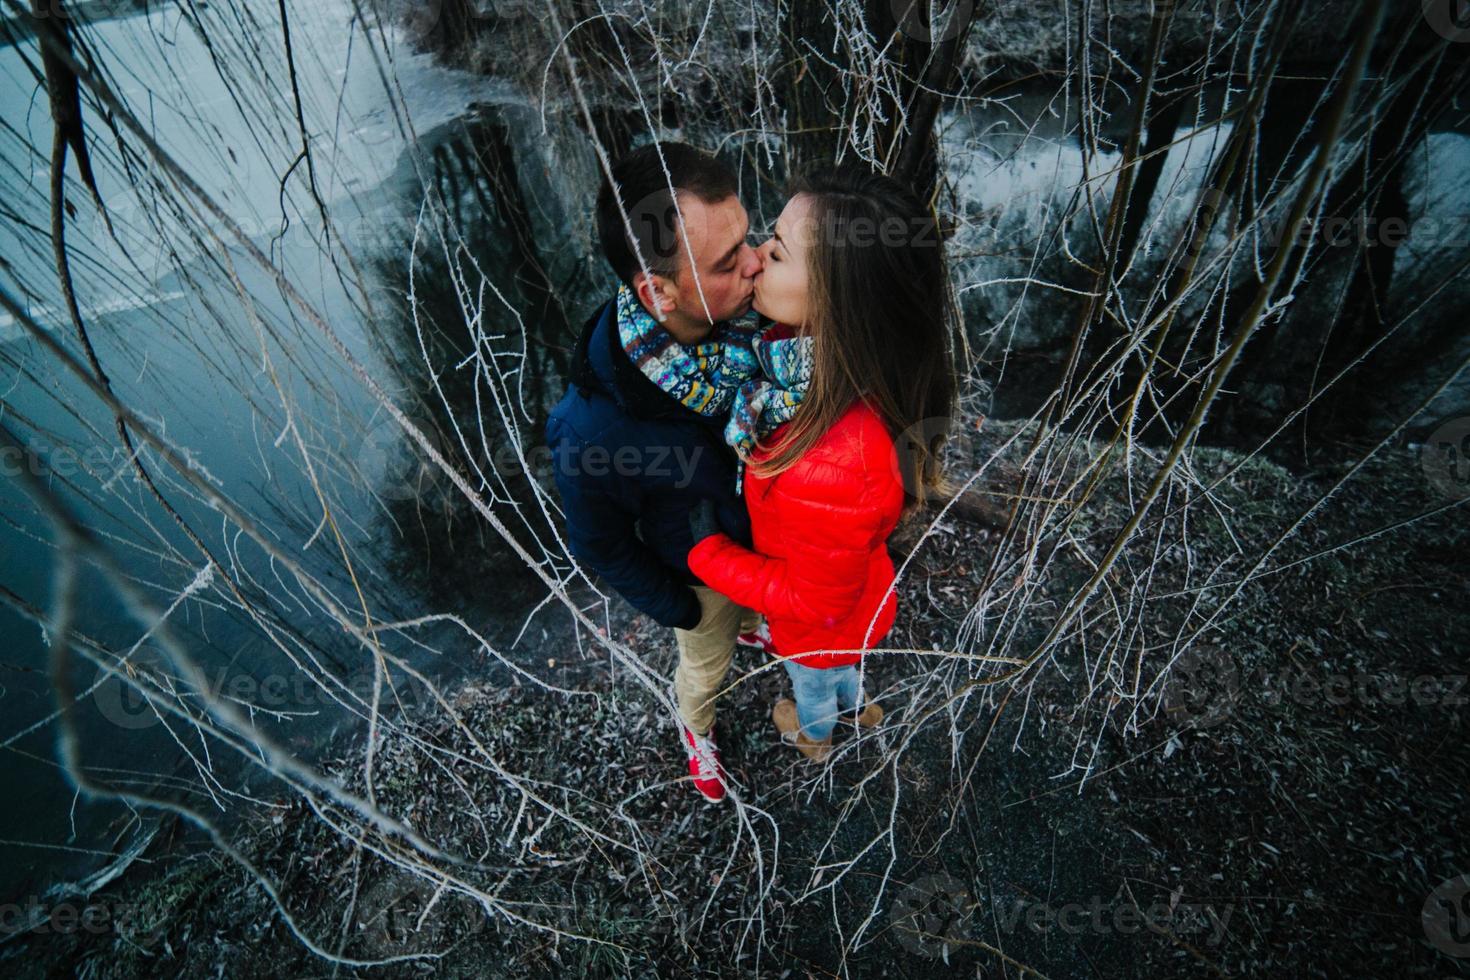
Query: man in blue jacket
637	438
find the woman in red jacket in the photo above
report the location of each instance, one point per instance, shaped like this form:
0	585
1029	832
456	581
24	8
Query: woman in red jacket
857	358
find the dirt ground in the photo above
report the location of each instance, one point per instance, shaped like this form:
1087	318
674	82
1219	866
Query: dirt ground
1291	812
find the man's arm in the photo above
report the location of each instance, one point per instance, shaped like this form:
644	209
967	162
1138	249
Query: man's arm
601	534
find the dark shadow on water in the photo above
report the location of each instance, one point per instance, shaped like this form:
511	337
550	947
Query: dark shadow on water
460	379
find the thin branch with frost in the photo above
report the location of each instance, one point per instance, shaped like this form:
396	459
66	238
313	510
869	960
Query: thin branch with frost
1145	359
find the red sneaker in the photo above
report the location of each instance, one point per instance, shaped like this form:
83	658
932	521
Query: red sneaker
705	765
757	639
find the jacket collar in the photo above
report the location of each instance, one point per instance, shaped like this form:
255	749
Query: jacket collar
601	363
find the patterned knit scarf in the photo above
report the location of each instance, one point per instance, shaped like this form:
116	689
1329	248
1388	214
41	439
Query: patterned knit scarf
757	382
764	402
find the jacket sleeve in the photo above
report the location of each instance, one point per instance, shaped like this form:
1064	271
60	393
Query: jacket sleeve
600	533
716	480
832	520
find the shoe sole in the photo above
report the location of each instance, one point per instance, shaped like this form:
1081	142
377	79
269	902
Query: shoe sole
698	792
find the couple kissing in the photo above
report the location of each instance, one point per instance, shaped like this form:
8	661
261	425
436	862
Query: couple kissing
775	536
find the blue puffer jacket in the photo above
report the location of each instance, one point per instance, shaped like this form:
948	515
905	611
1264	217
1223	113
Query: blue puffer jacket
630	463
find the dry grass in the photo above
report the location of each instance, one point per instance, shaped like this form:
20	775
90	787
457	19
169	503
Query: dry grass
1312	830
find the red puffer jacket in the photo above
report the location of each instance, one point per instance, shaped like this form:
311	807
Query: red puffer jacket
819	571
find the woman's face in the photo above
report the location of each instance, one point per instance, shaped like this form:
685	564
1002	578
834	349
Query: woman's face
781	289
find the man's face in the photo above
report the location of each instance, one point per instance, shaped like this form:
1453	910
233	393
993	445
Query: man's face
725	263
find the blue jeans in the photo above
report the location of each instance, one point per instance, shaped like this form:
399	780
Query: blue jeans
821	694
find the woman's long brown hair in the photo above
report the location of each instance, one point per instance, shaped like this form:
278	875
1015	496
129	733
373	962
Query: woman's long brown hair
880	323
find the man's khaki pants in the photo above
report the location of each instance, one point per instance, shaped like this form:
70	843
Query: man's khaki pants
705	653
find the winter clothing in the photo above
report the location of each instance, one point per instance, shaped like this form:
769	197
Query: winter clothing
819	568
766	401
630	462
703	377
702	521
753	377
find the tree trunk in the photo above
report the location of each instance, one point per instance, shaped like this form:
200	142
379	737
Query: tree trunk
1379	174
1297	353
918	160
1162	126
809	87
812	88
